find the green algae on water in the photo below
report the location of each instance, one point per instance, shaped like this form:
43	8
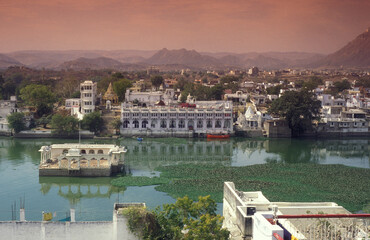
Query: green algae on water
301	182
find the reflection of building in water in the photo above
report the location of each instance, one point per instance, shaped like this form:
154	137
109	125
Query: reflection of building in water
169	153
74	192
250	146
347	148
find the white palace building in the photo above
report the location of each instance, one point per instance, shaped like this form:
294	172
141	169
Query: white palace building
208	117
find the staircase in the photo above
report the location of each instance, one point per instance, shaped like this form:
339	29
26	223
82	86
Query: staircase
108	116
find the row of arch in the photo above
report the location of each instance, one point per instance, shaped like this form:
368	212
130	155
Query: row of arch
174	124
83	151
81	159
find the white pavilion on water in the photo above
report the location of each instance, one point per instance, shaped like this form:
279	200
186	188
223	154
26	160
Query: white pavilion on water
74	159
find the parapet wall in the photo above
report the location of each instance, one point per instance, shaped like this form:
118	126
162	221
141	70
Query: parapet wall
83	172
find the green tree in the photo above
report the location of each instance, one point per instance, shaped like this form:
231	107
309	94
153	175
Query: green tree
64	125
298	108
184	219
275	90
44	120
195	215
229	79
363	82
312	83
92	122
38	96
217	91
342	85
120	87
16	121
156	80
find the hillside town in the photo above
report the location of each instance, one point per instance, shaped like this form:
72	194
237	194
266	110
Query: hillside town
249	103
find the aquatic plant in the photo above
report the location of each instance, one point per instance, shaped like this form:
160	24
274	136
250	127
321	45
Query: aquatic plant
138	181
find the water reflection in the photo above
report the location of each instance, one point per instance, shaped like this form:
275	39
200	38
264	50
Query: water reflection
151	154
75	189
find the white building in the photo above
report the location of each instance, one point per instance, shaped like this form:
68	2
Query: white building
250	215
147	99
351	122
88	91
214	117
237	98
7	107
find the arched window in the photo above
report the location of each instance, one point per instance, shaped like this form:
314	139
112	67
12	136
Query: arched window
65	151
200	124
136	123
83	151
102	158
91	151
190	124
181	123
100	151
125	124
163	123
209	123
218	124
173	124
227	124
144	123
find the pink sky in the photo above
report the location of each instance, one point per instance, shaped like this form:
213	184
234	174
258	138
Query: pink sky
321	26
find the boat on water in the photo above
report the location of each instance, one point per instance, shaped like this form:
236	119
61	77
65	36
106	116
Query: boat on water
218	136
81	160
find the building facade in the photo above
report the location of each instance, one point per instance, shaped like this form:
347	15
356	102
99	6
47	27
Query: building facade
166	120
88	91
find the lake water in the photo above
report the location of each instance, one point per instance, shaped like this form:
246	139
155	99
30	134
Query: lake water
93	198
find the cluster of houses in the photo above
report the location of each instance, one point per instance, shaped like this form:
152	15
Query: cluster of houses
160	112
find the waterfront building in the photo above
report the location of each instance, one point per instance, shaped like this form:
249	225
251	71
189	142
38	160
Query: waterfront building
352	122
88	91
209	117
6	107
74	159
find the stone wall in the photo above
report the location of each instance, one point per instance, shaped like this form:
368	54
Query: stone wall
91	172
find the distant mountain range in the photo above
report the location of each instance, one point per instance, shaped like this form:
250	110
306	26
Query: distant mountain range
354	54
6	61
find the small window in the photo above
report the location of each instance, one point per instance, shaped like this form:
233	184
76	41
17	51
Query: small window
65	151
100	151
91	151
83	151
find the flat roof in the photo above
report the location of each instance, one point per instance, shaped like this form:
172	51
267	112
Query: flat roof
77	145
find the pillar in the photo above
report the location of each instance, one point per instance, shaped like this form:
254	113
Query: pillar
72	213
22	215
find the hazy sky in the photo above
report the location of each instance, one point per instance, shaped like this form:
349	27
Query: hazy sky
321	26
